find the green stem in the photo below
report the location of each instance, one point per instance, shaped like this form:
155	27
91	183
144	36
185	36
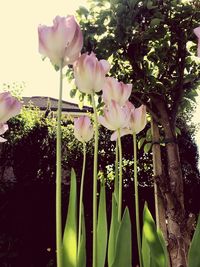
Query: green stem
116	189
137	200
94	259
81	196
58	177
120	178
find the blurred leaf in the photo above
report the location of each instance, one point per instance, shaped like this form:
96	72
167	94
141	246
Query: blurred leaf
102	231
70	231
193	256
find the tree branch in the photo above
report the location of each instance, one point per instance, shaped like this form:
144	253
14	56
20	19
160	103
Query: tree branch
179	90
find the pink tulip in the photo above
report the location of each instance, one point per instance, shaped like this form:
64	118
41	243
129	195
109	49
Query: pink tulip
83	129
137	121
89	73
114	90
9	107
138	118
115	117
197	32
62	41
3	129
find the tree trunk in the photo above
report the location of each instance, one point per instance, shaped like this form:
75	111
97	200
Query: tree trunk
171	187
158	173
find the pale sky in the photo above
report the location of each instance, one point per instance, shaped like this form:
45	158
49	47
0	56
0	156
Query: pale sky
19	56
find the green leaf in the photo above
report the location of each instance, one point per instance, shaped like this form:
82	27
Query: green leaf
178	131
123	252
155	22
83	11
73	93
102	231
114	226
193	256
147	147
81	258
150	5
153	241
141	142
70	231
148	135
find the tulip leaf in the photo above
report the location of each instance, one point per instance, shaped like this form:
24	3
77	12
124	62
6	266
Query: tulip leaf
102	231
123	251
81	258
193	256
114	226
146	256
156	248
70	231
162	241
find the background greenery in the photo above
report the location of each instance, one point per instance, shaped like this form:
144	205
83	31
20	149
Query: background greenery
27	204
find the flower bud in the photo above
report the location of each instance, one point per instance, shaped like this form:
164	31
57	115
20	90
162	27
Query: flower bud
62	41
83	129
117	91
9	106
89	73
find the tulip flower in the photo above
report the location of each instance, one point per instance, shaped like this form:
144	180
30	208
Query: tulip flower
61	42
89	73
137	118
115	117
197	33
3	129
114	90
9	106
137	121
83	129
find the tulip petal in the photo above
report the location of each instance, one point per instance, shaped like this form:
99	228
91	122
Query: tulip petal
2	140
105	64
3	128
117	91
197	31
9	107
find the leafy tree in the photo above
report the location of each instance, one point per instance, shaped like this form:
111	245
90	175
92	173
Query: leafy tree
151	44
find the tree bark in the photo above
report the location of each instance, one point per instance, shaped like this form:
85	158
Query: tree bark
178	233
